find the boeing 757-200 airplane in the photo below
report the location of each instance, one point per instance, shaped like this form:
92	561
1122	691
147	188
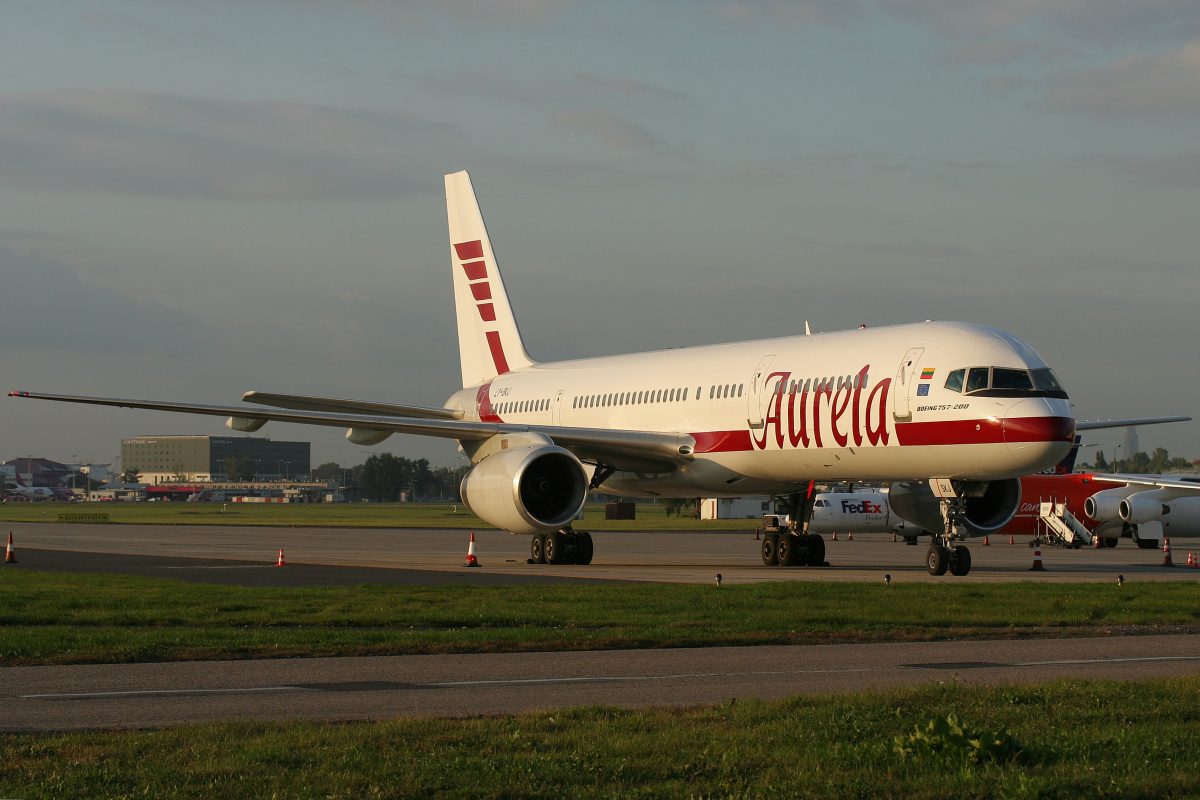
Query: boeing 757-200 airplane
956	411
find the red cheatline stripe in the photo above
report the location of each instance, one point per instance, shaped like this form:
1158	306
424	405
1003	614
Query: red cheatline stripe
476	270
487	311
983	431
722	441
469	250
493	340
482	291
916	434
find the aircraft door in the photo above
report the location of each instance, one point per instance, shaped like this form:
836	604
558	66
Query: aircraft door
758	397
556	409
906	381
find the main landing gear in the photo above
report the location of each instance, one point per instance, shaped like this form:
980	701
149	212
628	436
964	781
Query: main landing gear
565	546
794	545
943	554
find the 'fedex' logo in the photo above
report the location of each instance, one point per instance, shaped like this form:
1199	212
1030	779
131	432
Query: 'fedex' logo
862	507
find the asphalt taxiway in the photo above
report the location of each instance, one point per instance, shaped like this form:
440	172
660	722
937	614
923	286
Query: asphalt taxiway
221	554
112	696
152	695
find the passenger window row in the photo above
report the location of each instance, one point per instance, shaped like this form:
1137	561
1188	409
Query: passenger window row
522	406
818	385
630	398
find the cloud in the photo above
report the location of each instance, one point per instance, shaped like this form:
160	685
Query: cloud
1093	21
44	307
627	86
1165	85
613	130
160	145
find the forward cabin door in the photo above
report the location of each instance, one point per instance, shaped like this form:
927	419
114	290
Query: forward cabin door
906	384
758	396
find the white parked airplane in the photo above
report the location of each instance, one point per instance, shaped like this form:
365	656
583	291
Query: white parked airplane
37	492
760	417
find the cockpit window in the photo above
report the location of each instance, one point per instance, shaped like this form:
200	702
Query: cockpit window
1011	379
954	381
1046	381
1008	382
977	379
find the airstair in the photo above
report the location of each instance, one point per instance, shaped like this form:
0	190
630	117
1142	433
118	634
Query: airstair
1062	525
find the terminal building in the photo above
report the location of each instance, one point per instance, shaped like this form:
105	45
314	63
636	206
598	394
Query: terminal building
169	459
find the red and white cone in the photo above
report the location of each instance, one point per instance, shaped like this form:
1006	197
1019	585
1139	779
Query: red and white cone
835	536
1011	540
1037	559
850	536
10	555
1192	562
281	562
1167	553
471	560
986	543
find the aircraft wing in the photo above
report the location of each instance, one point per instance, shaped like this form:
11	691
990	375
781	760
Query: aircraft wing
643	451
1172	487
1122	423
304	403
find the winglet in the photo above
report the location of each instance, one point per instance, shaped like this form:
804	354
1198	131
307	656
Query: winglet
489	343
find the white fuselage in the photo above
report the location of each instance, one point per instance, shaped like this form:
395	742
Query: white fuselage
771	415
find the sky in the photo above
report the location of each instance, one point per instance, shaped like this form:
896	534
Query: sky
198	199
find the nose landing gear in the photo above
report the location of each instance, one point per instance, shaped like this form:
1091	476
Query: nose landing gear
943	554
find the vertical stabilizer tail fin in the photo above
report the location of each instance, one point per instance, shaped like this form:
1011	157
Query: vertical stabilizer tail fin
489	343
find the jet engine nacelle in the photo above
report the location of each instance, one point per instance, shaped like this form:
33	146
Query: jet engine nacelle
1103	507
989	504
532	489
1137	508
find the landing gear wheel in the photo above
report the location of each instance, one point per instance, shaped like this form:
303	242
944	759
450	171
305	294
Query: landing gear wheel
556	547
814	553
583	548
1109	542
769	544
960	561
937	559
785	550
1149	544
537	549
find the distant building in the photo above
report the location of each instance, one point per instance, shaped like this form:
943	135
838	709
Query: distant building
44	473
160	459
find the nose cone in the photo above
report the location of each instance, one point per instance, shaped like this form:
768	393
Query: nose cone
1039	432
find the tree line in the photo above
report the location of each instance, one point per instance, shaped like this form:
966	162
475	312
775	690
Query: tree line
1141	463
384	478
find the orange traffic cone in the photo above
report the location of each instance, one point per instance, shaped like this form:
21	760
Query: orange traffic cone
10	555
281	562
893	536
1192	561
1167	553
835	536
1010	539
756	534
471	561
986	543
850	536
1037	559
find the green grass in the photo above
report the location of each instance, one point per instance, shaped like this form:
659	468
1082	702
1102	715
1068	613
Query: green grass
651	517
1081	740
59	619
